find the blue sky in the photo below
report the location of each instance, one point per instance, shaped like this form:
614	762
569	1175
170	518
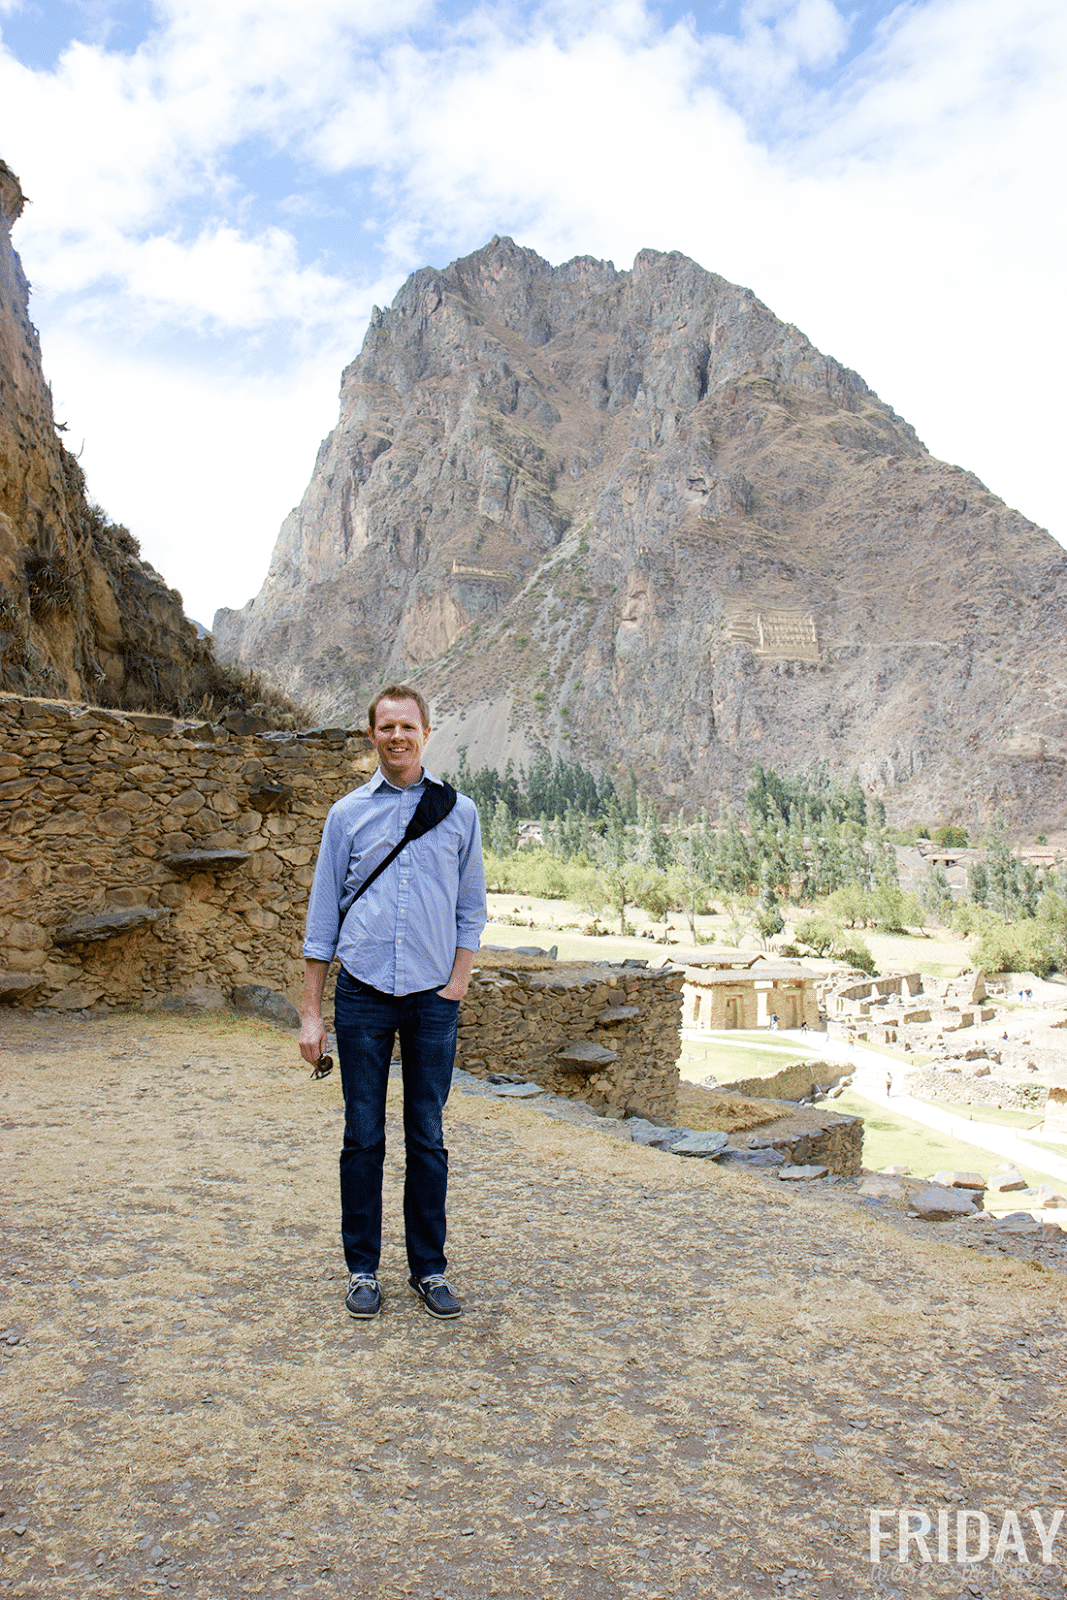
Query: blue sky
223	188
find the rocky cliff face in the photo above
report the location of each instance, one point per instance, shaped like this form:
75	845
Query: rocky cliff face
81	616
632	516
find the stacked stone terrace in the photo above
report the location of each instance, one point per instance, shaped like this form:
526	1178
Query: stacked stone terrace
600	1032
148	861
143	858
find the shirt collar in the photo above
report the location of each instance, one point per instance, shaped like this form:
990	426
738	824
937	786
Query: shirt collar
379	781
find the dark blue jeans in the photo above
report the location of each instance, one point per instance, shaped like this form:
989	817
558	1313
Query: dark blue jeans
366	1023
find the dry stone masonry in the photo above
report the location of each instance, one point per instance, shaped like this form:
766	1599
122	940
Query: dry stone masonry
597	1032
146	860
149	861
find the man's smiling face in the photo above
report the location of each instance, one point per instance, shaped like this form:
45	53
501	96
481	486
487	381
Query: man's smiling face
399	736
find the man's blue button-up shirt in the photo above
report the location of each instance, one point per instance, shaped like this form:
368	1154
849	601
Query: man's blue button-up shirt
402	935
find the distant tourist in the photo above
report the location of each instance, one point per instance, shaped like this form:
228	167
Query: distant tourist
399	897
774	1022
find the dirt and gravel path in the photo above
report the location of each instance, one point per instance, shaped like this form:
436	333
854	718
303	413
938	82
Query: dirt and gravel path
671	1379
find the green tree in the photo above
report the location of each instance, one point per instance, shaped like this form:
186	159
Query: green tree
978	883
614	861
690	870
820	933
935	896
1001	867
503	832
651	846
733	872
850	904
893	911
769	919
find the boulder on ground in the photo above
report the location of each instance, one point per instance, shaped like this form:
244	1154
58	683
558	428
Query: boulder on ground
880	1188
700	1144
256	1000
1005	1182
936	1204
194	1000
802	1173
959	1180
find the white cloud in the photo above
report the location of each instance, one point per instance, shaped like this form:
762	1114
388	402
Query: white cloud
902	215
200	468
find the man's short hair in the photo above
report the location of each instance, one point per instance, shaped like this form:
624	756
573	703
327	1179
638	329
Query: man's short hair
399	691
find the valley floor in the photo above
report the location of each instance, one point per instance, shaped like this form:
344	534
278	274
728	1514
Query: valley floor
671	1379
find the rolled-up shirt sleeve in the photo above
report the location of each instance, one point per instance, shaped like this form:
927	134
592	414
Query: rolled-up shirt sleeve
471	913
323	926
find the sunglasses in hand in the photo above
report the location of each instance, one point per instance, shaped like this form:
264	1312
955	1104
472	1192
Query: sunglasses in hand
323	1067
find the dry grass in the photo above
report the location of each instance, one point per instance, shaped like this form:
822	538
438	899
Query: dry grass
652	1353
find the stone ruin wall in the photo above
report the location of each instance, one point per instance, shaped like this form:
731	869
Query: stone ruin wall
106	898
960	1089
97	810
604	1033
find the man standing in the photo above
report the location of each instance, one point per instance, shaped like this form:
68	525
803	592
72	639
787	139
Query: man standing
406	947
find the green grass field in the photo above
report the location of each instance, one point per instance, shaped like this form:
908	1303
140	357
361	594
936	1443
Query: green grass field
990	1114
890	1140
731	1061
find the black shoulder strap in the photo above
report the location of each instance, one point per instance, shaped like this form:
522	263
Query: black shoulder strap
436	801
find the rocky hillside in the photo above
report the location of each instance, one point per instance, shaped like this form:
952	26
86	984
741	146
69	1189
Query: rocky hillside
632	516
81	616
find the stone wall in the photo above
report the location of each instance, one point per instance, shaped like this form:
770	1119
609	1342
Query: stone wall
833	1140
794	1082
142	857
599	1032
962	1089
145	861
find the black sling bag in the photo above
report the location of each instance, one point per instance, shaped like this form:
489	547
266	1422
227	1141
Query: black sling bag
434	806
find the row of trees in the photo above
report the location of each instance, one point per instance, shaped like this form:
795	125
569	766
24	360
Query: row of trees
549	789
806	841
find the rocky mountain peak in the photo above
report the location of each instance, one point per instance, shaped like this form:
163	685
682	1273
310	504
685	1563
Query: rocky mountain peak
632	516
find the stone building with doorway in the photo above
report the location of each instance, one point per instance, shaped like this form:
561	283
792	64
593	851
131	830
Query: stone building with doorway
749	998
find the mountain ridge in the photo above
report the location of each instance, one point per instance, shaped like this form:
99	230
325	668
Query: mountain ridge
631	515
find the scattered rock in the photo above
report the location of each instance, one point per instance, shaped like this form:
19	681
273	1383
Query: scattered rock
792	1174
256	1000
959	1180
701	1144
651	1133
1005	1182
767	1157
935	1204
880	1188
196	1000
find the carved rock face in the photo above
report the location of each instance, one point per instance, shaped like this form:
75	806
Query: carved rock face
633	515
